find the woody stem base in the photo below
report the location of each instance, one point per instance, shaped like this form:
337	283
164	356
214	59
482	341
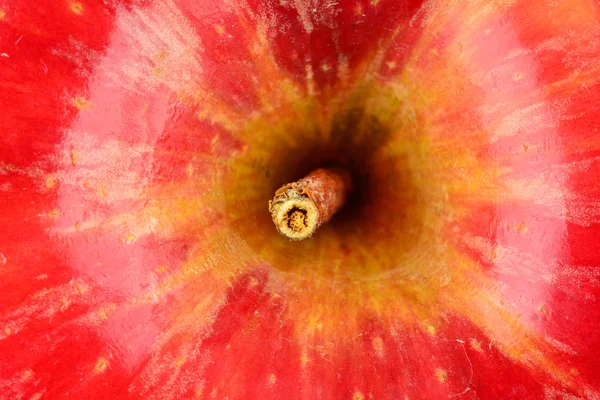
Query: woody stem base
299	208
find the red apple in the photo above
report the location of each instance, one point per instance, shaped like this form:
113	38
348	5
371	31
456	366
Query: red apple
141	142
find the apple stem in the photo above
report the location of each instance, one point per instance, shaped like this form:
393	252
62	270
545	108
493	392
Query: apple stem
299	208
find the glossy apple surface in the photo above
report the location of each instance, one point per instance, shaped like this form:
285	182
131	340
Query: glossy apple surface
142	140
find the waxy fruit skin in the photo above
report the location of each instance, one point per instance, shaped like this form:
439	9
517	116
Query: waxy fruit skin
142	139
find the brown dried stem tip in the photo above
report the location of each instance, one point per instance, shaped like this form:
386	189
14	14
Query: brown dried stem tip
299	208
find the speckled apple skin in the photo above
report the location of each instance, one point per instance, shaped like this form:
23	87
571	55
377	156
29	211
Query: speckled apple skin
137	137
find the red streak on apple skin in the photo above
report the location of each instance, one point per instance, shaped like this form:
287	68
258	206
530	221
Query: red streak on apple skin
50	55
253	331
121	275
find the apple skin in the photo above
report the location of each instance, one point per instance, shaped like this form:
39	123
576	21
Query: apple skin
141	141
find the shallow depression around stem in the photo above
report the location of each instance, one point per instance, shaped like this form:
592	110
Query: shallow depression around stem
376	136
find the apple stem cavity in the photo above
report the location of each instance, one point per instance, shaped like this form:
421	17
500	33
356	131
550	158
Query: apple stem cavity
299	208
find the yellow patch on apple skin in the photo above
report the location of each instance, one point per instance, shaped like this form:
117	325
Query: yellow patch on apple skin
219	29
521	228
272	379
10	168
101	365
74	157
378	347
304	359
475	345
105	311
214	143
161	269
253	282
358	396
199	390
50	183
130	238
81	103
80	287
431	330
310	79
76	7
27	375
2	14
358	9
65	303
441	374
37	396
161	55
53	214
102	192
102	314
